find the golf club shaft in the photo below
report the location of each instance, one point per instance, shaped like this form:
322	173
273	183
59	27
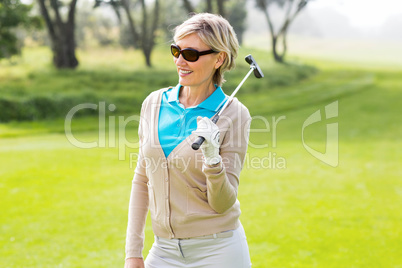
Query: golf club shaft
235	91
196	145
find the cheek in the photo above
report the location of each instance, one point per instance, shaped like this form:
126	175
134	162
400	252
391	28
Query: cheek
199	66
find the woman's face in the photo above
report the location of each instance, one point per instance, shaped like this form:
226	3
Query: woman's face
200	72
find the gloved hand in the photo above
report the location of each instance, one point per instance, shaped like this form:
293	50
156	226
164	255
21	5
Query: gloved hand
210	132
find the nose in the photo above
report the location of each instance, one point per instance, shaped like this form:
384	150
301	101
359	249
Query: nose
180	60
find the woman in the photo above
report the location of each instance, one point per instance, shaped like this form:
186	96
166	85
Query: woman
192	195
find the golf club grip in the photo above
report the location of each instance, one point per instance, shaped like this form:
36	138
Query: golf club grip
197	144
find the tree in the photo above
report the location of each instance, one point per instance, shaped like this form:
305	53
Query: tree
143	36
148	35
94	28
233	10
61	33
14	14
292	8
236	15
220	4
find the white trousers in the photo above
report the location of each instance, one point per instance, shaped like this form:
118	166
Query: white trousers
222	251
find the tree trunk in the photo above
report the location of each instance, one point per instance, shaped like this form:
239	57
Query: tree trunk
63	48
209	6
277	57
61	35
148	35
146	46
131	23
147	55
188	6
221	7
264	6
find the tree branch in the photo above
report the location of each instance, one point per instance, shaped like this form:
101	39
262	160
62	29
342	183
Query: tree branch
209	6
302	4
265	10
71	12
55	7
221	7
188	6
131	23
154	23
289	19
289	9
47	18
144	24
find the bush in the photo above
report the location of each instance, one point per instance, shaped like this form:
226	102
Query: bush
9	110
44	93
43	107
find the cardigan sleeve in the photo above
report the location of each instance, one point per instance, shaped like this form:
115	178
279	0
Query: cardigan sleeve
223	179
138	206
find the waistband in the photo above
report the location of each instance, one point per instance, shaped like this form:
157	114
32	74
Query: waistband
225	234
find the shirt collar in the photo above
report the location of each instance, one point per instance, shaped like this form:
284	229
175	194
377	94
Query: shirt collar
212	103
174	94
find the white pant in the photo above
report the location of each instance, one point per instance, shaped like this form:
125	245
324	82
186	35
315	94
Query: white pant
220	252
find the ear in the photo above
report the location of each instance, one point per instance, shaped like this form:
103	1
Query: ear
221	58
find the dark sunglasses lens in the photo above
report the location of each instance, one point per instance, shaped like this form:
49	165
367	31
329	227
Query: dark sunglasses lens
175	51
190	55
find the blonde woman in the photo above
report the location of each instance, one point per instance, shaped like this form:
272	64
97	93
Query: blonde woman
192	195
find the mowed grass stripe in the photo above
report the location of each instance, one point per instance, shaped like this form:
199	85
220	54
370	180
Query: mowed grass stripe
64	206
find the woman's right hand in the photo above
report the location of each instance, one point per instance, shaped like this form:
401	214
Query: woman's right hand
134	263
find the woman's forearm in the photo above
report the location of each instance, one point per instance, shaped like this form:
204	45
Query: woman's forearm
138	209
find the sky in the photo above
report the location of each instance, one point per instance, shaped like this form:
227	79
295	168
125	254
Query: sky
351	30
363	14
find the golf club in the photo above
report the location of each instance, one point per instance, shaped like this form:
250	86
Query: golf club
257	72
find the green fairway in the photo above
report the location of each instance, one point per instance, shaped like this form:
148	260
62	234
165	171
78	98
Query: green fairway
63	206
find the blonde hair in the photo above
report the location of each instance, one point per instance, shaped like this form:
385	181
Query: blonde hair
217	33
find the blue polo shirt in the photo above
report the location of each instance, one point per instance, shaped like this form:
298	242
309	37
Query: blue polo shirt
176	122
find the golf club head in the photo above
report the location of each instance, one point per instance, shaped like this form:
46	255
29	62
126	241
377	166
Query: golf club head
257	71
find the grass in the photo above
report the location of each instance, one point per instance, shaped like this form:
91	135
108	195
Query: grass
39	93
63	206
312	215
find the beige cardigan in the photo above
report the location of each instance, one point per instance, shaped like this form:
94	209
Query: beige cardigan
186	198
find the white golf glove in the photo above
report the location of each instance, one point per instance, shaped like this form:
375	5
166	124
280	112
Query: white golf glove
210	132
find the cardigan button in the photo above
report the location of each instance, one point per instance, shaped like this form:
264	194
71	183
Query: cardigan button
166	179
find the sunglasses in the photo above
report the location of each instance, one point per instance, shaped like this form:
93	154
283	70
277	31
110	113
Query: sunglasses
189	54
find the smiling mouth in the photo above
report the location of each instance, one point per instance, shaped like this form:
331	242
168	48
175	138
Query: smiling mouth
185	72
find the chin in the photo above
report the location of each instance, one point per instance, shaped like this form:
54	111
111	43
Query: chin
184	82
